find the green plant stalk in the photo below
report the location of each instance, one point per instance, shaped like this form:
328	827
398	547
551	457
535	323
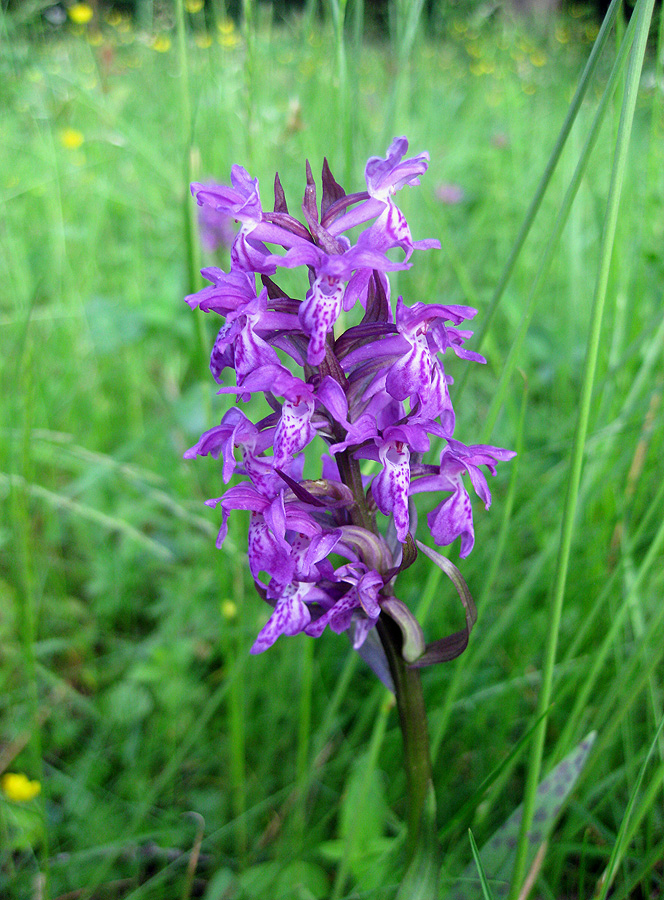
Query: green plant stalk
26	593
421	844
643	13
404	21
545	180
190	222
338	8
621	840
304	728
248	14
414	730
484	883
237	715
656	112
526	318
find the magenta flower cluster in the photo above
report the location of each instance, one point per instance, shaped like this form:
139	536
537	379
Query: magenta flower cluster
318	550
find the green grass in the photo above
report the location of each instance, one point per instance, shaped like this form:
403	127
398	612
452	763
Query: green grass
126	687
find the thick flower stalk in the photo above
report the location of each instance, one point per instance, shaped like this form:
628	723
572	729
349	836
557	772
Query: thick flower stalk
325	551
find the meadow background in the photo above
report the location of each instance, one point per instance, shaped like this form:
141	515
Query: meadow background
169	762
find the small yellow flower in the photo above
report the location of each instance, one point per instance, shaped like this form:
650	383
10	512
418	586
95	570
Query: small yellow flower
562	34
113	17
95	38
203	40
591	31
193	6
162	43
18	787
230	41
80	13
226	26
538	58
71	139
228	610
529	88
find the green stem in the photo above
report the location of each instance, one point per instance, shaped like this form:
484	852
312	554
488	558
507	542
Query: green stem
545	180
414	731
643	12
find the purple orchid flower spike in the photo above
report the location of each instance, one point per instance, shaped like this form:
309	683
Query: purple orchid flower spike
377	391
326	551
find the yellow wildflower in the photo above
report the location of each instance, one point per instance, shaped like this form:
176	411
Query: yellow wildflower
80	13
18	788
538	58
162	43
230	40
562	34
193	6
228	609
70	138
203	40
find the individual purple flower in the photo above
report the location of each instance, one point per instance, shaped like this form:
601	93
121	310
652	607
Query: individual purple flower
390	488
450	194
235	430
291	615
227	292
332	279
360	603
215	228
453	517
239	344
386	176
241	201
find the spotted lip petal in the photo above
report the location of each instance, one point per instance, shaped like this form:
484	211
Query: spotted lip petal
390	487
290	616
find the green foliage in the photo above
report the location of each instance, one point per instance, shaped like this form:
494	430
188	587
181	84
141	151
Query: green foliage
126	687
495	862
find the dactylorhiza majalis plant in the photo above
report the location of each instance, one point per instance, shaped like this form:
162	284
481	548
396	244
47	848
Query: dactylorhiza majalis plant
326	551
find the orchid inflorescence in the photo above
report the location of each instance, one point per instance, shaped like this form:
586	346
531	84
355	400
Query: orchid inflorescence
377	391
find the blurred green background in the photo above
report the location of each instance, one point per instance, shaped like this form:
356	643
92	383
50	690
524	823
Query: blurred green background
170	763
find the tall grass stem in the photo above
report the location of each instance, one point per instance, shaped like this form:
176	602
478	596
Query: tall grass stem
545	180
643	13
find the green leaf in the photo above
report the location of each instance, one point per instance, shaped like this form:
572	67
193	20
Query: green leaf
486	890
498	853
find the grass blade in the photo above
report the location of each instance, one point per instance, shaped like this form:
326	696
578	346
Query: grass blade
643	15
